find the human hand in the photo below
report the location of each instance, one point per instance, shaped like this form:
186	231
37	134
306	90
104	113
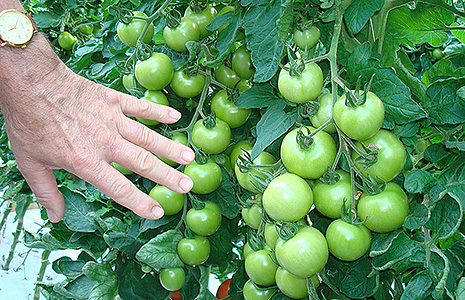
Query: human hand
64	121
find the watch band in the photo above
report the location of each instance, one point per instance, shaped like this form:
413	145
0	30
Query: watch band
34	26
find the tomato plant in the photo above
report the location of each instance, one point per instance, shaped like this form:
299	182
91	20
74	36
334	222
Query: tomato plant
293	286
194	251
187	86
172	279
390	101
66	40
212	135
204	221
261	268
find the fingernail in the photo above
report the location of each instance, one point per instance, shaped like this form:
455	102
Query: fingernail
175	114
52	216
157	212
188	156
186	184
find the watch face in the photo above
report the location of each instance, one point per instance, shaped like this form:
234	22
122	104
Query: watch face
15	27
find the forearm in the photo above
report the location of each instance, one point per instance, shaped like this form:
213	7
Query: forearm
6	4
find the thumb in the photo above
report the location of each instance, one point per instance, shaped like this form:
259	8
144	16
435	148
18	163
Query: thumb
43	184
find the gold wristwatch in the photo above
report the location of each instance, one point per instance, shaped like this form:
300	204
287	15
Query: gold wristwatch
16	28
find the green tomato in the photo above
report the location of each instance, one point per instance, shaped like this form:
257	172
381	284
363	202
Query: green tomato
304	88
251	291
213	140
66	40
293	286
228	111
324	113
122	169
204	221
384	212
172	279
360	122
237	150
437	53
242	63
391	156
347	242
202	19
287	198
226	76
245	179
176	38
194	251
247	250
261	268
130	33
156	72
305	254
128	82
185	86
271	235
177	137
155	97
309	163
86	29
170	201
206	177
329	198
252	215
306	39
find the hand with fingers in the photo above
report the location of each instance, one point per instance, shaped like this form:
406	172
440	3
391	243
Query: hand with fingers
56	119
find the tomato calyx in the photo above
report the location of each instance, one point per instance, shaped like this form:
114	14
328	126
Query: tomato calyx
210	121
353	98
286	230
173	18
122	14
304	139
196	202
330	177
201	157
196	7
245	164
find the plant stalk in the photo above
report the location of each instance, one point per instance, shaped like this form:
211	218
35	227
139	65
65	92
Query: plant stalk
40	275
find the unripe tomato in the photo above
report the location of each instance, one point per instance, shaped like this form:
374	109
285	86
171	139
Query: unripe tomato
251	291
391	156
172	279
242	63
204	221
307	38
228	111
187	86
245	179
214	140
304	88
271	235
177	137
437	53
202	19
346	241
170	201
384	212
237	150
128	82
206	177
130	33
176	38
194	251
155	97
329	198
122	169
293	286
226	76
252	215
86	29
324	112
287	198
305	254
261	268
66	40
156	72
360	122
309	163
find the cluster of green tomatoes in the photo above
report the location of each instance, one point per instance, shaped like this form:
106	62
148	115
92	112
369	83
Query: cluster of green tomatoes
287	252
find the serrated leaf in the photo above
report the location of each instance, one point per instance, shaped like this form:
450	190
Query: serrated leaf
78	288
417	217
273	124
258	96
359	12
459	34
446	107
286	20
461	289
161	251
456	256
107	282
418	181
383	242
446	217
123	242
204	292
68	267
439	155
76	209
453	179
262	38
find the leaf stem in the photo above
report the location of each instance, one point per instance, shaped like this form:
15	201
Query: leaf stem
40	275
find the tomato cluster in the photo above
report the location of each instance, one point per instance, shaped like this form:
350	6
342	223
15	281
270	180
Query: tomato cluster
281	187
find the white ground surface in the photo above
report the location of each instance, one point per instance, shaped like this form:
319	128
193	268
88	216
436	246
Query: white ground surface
18	282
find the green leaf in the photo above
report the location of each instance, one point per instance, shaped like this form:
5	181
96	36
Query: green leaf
456	256
49	293
148	224
78	288
260	24
135	284
123	242
191	287
359	12
204	292
286	20
238	280
456	144
107	286
161	251
418	288
418	181
46	19
445	219
351	278
439	155
446	107
446	67
76	209
407	27
383	242
258	96
273	124
417	217
459	34
461	289
68	267
453	179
